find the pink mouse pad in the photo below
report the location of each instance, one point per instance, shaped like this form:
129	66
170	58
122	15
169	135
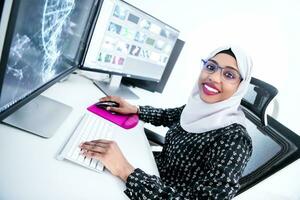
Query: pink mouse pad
125	121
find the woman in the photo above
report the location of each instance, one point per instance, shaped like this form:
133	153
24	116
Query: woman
207	146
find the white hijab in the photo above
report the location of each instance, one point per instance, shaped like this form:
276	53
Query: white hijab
199	117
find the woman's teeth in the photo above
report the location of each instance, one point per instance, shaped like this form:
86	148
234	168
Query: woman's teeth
211	89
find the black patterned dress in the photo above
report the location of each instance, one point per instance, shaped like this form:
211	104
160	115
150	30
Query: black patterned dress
192	166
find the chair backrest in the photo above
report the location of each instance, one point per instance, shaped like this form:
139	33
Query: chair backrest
258	97
274	145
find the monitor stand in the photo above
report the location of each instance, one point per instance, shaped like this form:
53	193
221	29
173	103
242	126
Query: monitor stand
115	88
42	116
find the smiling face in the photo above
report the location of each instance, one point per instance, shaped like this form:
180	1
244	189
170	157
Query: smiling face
212	87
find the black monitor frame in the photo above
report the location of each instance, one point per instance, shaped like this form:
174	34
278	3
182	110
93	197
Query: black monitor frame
6	49
1	8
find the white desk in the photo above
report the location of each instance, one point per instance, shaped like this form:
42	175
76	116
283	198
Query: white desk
29	169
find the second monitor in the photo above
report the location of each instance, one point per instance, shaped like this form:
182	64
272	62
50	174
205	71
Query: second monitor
128	42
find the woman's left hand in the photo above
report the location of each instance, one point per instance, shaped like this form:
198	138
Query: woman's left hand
110	155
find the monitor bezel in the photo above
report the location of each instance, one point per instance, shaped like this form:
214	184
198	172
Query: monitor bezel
85	68
5	53
1	8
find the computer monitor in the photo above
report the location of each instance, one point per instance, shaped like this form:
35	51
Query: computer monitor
158	86
128	42
41	41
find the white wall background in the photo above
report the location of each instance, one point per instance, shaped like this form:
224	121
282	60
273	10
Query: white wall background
268	30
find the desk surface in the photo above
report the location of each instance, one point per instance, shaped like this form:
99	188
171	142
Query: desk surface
29	169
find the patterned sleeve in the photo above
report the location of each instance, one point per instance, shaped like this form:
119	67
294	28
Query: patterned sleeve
219	179
159	116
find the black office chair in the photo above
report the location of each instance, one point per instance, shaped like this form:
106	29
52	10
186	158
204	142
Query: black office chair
274	145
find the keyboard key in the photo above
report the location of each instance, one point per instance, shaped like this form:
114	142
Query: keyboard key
99	166
87	161
93	163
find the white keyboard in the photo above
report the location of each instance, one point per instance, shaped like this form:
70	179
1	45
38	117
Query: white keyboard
91	127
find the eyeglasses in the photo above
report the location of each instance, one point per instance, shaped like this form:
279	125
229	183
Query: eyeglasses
228	74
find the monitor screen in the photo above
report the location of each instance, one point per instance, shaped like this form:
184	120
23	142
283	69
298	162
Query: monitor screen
130	42
43	41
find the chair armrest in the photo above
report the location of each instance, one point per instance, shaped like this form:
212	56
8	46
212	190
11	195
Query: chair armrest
154	137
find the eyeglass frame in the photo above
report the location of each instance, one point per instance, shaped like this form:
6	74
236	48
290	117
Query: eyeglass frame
220	68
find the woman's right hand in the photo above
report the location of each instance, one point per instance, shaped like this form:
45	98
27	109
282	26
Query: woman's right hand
124	106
